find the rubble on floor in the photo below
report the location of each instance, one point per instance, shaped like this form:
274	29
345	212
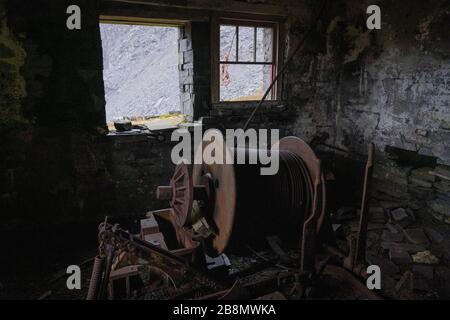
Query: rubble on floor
411	248
414	188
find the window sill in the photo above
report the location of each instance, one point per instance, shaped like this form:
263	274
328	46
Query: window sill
160	135
142	131
247	107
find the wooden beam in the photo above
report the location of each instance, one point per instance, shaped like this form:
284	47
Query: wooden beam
128	11
212	5
141	21
215	49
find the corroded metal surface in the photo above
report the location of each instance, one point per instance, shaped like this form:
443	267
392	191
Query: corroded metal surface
180	193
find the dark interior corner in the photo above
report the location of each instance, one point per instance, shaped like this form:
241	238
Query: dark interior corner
62	168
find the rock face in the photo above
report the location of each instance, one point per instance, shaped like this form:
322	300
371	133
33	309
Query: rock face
140	70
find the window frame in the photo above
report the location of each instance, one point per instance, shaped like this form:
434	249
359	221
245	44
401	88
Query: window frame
148	22
216	23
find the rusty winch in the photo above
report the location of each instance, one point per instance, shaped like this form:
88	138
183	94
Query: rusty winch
233	204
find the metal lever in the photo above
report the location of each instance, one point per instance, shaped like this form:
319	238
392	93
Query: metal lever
361	241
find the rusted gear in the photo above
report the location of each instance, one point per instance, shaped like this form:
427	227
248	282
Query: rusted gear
179	193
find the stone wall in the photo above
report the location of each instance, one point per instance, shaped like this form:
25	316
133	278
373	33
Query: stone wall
138	164
186	69
195	70
394	83
52	104
388	86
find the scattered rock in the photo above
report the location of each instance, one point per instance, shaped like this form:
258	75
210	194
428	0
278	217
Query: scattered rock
407	247
391	237
440	206
441	217
420	284
399	256
391	228
386	266
387	282
411	214
405	282
399	214
440	209
434	235
415	204
424	271
416	236
425	257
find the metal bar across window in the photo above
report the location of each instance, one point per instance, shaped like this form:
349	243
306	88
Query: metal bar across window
267	52
237	43
254	43
246	62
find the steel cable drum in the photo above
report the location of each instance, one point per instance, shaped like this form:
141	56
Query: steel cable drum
245	206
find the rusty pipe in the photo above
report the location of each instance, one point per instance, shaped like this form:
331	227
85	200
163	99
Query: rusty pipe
96	275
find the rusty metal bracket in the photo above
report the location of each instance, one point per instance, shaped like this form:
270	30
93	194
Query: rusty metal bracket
361	241
357	245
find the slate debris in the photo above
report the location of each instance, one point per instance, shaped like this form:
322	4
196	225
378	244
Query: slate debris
392	237
424	271
399	256
434	235
440	204
392	228
387	267
420	284
405	282
401	245
407	247
425	257
416	236
411	214
399	214
440	210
